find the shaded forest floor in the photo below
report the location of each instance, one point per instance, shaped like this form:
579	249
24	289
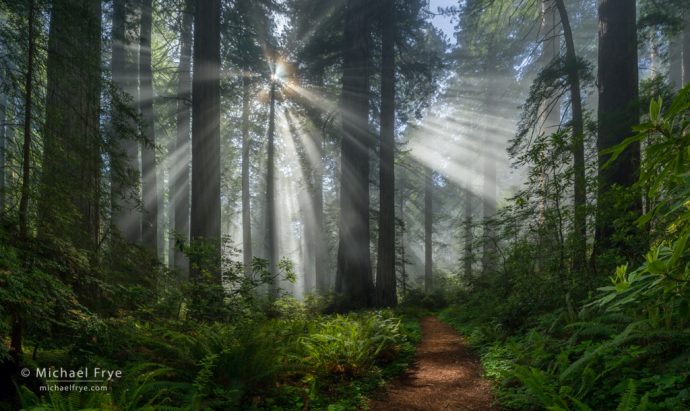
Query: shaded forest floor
446	375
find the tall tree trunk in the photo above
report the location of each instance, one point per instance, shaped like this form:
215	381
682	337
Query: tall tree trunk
205	209
401	205
489	202
428	228
16	333
316	234
271	232
124	192
246	196
577	144
3	144
28	107
149	188
468	257
618	113
385	274
320	245
182	156
353	277
675	61
320	240
550	120
69	203
686	49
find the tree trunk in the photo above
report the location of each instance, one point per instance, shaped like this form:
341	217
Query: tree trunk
577	144
428	228
182	155
686	49
320	240
26	149
401	205
126	216
205	209
550	108
3	144
149	223
246	196
16	333
70	192
468	258
618	112
271	234
675	61
353	279
489	201
385	275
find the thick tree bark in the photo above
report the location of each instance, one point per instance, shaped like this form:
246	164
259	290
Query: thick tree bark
149	188
618	113
353	277
180	168
271	234
385	274
126	215
246	196
428	229
69	204
205	209
577	144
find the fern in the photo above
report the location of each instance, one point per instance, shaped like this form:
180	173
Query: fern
629	399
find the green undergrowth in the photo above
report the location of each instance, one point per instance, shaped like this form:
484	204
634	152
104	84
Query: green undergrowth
295	361
602	362
550	341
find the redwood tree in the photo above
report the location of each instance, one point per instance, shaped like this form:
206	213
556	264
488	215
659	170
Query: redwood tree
353	278
205	208
618	112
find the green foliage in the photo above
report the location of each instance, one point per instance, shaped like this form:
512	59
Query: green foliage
625	347
256	363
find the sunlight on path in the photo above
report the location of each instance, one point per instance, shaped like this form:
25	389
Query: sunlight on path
446	375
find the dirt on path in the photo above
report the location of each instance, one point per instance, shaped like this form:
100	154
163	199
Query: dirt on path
446	375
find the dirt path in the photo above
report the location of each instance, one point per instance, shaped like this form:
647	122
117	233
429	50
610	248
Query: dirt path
446	375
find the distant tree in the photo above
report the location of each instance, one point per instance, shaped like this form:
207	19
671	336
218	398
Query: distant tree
270	199
686	47
428	228
124	148
149	188
468	231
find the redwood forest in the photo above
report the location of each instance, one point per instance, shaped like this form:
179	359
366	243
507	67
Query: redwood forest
345	205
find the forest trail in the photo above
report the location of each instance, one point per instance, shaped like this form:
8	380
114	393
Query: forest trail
445	375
